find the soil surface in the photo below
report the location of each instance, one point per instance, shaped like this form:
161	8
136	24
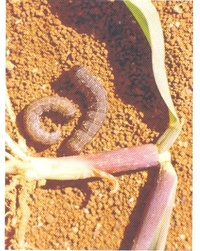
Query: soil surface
45	39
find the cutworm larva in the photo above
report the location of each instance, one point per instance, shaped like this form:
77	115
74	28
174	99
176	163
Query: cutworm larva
37	108
96	97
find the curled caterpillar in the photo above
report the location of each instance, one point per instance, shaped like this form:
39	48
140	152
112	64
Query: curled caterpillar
96	97
37	108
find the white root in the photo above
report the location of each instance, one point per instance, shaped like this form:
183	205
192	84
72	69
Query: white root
39	168
21	141
15	148
9	109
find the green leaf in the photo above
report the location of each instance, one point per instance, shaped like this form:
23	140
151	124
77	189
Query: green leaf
147	17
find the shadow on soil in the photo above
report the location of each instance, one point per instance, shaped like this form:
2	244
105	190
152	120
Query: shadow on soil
129	53
139	210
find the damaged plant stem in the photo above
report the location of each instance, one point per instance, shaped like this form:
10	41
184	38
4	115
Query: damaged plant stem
102	165
84	166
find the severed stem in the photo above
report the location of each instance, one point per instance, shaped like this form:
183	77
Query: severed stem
81	167
155	222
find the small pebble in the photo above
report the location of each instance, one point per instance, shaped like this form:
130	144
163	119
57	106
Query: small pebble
9	65
177	9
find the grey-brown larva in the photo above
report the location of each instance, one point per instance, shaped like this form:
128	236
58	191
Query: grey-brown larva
37	108
96	97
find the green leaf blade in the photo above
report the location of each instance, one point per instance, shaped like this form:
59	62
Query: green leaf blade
149	21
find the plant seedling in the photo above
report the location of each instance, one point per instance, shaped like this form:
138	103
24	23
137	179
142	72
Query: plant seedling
155	222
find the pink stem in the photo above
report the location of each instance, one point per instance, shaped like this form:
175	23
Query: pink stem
156	219
124	159
154	226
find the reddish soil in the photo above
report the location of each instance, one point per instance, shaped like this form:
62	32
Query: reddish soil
44	40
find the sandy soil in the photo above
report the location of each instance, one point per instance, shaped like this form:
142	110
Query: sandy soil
44	40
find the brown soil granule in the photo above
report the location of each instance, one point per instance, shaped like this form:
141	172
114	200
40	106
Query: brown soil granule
45	38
